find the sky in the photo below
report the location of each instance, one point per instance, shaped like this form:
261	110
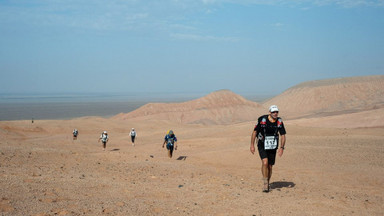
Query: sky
185	46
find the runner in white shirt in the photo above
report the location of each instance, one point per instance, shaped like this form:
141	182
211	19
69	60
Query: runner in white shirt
104	139
133	136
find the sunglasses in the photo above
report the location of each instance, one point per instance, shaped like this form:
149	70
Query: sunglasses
275	112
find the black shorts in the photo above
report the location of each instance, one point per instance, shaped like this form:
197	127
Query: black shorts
170	147
270	154
133	138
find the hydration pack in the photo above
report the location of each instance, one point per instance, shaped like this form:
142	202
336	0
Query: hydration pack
133	133
104	137
263	124
170	140
279	122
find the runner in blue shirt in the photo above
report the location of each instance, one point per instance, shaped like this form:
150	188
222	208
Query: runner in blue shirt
171	141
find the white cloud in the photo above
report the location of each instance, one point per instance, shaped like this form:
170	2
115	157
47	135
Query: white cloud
343	3
134	14
195	37
209	1
277	25
357	3
183	27
137	16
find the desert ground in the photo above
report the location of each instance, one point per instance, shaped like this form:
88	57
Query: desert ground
323	171
333	164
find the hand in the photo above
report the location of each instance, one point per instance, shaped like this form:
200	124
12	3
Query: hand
280	152
252	149
175	147
163	146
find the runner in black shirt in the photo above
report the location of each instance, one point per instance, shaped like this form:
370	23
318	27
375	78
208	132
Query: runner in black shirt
267	131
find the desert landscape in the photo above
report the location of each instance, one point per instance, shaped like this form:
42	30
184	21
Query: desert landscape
333	163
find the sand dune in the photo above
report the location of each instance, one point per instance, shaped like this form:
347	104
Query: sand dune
364	119
220	107
356	100
330	97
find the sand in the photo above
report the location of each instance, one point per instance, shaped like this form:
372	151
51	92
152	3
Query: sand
324	171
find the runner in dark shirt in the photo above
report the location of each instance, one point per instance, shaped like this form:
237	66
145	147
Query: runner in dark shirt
171	141
267	130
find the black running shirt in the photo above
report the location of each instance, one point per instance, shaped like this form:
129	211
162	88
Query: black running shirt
266	128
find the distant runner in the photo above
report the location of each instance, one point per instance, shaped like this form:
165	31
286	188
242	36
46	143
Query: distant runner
133	136
104	139
171	141
75	133
267	130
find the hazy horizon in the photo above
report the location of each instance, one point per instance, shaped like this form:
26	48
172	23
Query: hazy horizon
67	106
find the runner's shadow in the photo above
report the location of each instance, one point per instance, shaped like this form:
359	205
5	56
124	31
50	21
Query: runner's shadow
182	158
115	150
281	184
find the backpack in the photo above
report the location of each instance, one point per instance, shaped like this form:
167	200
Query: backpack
170	140
263	124
104	137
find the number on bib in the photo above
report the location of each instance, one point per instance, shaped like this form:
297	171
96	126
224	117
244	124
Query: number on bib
270	142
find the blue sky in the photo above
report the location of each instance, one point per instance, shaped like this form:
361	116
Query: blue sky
191	46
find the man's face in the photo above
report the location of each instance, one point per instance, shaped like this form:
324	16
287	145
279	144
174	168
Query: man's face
274	114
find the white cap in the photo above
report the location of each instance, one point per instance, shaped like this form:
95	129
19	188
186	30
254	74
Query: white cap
133	128
273	108
105	132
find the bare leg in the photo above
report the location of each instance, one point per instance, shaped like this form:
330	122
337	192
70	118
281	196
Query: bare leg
266	174
265	168
269	172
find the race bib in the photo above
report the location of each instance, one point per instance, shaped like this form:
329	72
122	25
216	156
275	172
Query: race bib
270	142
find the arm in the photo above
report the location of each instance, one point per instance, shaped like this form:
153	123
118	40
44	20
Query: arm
282	145
175	143
165	141
253	138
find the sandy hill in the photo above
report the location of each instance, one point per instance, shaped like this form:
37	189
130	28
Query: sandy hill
220	107
331	97
343	102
